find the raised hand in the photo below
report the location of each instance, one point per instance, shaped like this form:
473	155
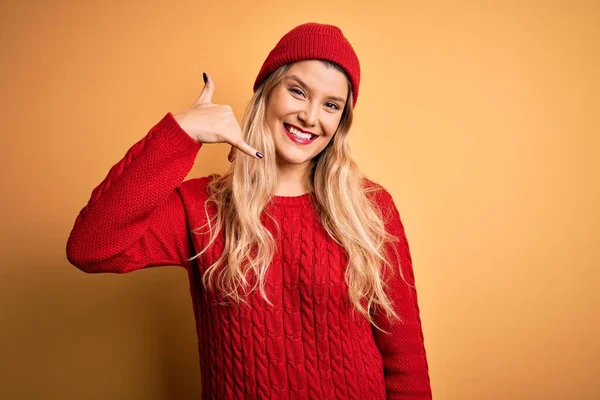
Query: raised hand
214	123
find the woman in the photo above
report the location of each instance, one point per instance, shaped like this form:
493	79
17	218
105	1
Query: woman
299	268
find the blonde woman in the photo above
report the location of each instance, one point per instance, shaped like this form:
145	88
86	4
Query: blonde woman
300	272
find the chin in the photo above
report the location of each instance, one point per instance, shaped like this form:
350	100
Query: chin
292	158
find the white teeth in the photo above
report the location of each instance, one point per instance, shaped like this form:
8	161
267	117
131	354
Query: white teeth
299	134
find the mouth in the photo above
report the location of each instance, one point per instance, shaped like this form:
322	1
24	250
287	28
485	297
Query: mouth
299	136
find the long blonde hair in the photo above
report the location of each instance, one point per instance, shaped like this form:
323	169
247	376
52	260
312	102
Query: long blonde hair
241	195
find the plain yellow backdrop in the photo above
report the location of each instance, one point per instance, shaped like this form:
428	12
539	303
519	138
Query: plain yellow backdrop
481	118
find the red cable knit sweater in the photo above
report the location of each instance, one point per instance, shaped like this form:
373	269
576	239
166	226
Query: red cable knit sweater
307	345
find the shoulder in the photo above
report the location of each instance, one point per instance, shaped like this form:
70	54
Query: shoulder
196	187
377	193
382	199
194	192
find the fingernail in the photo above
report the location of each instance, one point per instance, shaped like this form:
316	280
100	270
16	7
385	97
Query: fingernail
259	155
204	77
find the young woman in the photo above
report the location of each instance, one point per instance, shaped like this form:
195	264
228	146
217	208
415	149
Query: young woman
299	268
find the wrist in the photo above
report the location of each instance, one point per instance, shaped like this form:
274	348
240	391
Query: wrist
181	121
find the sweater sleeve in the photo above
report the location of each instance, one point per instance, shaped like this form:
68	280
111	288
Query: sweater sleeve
402	348
135	217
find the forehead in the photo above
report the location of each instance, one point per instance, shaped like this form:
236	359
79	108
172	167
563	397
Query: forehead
319	77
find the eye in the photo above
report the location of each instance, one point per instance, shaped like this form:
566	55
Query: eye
333	106
296	91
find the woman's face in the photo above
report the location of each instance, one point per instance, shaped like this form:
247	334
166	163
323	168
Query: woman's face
305	109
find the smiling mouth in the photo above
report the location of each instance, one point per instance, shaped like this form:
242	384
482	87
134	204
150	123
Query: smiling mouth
297	133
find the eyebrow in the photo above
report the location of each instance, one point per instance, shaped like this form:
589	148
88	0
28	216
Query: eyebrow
296	78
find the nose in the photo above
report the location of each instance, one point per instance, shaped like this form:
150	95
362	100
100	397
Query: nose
309	115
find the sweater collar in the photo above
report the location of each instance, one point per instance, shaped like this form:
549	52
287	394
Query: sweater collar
293	201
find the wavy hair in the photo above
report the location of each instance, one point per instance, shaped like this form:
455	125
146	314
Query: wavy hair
240	197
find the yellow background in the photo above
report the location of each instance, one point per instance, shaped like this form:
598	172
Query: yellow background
481	118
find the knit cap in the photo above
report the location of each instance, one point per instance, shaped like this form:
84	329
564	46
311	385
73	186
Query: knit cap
313	41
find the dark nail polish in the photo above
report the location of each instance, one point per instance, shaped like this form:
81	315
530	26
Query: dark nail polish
259	155
204	77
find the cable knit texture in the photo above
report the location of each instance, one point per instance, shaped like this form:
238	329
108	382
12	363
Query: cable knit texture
310	344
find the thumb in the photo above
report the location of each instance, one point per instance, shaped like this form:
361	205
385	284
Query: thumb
207	91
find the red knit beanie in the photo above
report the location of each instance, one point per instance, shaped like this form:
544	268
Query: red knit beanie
313	41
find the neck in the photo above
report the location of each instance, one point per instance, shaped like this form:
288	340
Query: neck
292	179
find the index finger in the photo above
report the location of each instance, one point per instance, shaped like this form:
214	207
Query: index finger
246	148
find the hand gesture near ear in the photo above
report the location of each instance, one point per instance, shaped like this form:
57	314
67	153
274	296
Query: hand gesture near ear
213	123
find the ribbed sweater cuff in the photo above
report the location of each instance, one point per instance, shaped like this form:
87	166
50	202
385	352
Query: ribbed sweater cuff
174	133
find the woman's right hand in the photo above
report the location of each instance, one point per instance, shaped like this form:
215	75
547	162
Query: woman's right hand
213	123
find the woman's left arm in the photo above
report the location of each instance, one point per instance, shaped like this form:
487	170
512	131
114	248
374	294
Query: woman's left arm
402	348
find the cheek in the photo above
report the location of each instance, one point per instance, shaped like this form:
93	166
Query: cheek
327	141
279	106
272	109
331	125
